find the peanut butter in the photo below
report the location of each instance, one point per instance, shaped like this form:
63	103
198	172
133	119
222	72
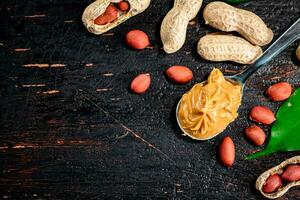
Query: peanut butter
209	107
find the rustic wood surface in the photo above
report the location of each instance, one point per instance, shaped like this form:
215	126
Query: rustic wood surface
70	129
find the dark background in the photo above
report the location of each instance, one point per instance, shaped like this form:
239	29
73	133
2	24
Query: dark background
70	129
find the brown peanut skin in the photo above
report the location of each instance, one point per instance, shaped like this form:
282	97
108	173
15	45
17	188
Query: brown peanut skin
255	135
261	180
272	184
279	91
137	39
123	6
179	74
262	114
291	173
226	151
110	14
227	18
140	83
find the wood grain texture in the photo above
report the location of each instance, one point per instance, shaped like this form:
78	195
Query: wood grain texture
70	129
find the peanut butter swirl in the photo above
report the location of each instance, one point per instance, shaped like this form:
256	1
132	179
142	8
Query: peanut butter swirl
208	108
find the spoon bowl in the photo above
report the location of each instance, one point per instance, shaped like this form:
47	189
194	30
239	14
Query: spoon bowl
185	133
287	38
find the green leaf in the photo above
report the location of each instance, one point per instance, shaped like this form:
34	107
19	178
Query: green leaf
285	132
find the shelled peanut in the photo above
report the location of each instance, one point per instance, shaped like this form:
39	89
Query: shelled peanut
174	25
137	39
103	15
262	114
225	47
276	181
111	13
298	52
279	91
255	135
123	5
179	74
227	18
272	184
140	83
226	151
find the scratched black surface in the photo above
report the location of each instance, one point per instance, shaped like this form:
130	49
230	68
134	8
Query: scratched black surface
74	131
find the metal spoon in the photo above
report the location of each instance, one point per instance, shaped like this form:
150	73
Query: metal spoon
287	38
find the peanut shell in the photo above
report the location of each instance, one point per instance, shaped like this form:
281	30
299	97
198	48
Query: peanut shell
277	170
220	47
227	18
98	7
174	25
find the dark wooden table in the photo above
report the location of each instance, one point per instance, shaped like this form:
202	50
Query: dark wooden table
70	129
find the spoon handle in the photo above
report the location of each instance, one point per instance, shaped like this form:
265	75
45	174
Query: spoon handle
287	38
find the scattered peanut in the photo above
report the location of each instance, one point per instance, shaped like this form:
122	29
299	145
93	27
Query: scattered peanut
291	173
179	74
272	184
174	25
298	52
224	17
225	47
262	114
226	151
137	39
255	135
123	5
140	83
283	168
279	91
98	9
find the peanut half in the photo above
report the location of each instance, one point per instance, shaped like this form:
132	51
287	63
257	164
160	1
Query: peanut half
98	7
261	180
298	52
224	17
225	47
174	25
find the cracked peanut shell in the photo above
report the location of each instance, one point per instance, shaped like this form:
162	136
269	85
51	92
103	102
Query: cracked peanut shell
98	7
277	170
